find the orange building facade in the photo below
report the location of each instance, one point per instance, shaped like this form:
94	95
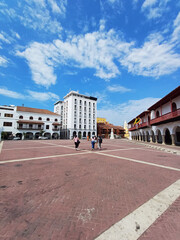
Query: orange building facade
104	130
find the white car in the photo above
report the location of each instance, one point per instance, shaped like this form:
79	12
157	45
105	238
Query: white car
42	138
16	138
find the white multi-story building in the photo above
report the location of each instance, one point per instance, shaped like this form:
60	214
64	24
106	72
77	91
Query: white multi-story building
78	114
28	123
160	123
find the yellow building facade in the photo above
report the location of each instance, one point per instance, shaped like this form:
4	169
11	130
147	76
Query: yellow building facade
101	120
126	135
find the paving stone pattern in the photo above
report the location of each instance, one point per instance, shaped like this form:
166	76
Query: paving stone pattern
78	197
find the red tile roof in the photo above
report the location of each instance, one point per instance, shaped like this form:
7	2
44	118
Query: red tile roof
35	110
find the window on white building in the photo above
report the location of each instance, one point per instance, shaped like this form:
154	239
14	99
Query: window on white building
8	115
7	124
174	107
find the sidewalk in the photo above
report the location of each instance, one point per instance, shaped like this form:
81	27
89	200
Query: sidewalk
162	147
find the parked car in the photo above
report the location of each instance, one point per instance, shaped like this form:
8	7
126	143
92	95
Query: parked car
42	138
16	138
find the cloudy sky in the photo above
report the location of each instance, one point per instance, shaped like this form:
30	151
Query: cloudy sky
124	52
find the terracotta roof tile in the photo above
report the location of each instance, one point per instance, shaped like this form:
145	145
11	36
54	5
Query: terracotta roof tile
36	110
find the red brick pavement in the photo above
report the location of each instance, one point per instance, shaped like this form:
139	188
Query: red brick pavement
149	155
166	226
76	197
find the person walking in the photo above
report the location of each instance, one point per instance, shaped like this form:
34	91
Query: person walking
99	142
93	142
76	142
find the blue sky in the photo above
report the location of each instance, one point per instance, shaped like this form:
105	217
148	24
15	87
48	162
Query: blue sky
124	52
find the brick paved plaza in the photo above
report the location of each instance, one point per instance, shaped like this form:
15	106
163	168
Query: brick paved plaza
49	191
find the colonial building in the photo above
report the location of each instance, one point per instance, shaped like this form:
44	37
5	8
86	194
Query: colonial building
78	115
28	123
104	130
160	123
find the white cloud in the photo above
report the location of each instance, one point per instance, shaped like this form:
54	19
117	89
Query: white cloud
17	35
96	50
3	61
30	95
36	14
40	61
176	32
38	18
154	8
7	93
118	88
101	51
149	3
43	96
117	114
4	38
155	58
59	7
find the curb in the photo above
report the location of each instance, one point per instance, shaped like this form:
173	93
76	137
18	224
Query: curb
168	150
1	144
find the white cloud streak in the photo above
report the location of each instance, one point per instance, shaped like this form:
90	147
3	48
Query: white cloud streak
3	61
154	8
153	59
7	93
125	111
36	14
176	32
30	95
40	62
118	88
4	38
45	96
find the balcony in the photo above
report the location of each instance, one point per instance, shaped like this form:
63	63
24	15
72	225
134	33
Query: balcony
138	126
30	128
133	128
56	129
166	117
143	125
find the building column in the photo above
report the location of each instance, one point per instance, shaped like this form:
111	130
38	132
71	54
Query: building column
163	139
151	138
156	138
173	139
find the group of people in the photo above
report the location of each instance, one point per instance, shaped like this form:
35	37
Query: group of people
94	141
